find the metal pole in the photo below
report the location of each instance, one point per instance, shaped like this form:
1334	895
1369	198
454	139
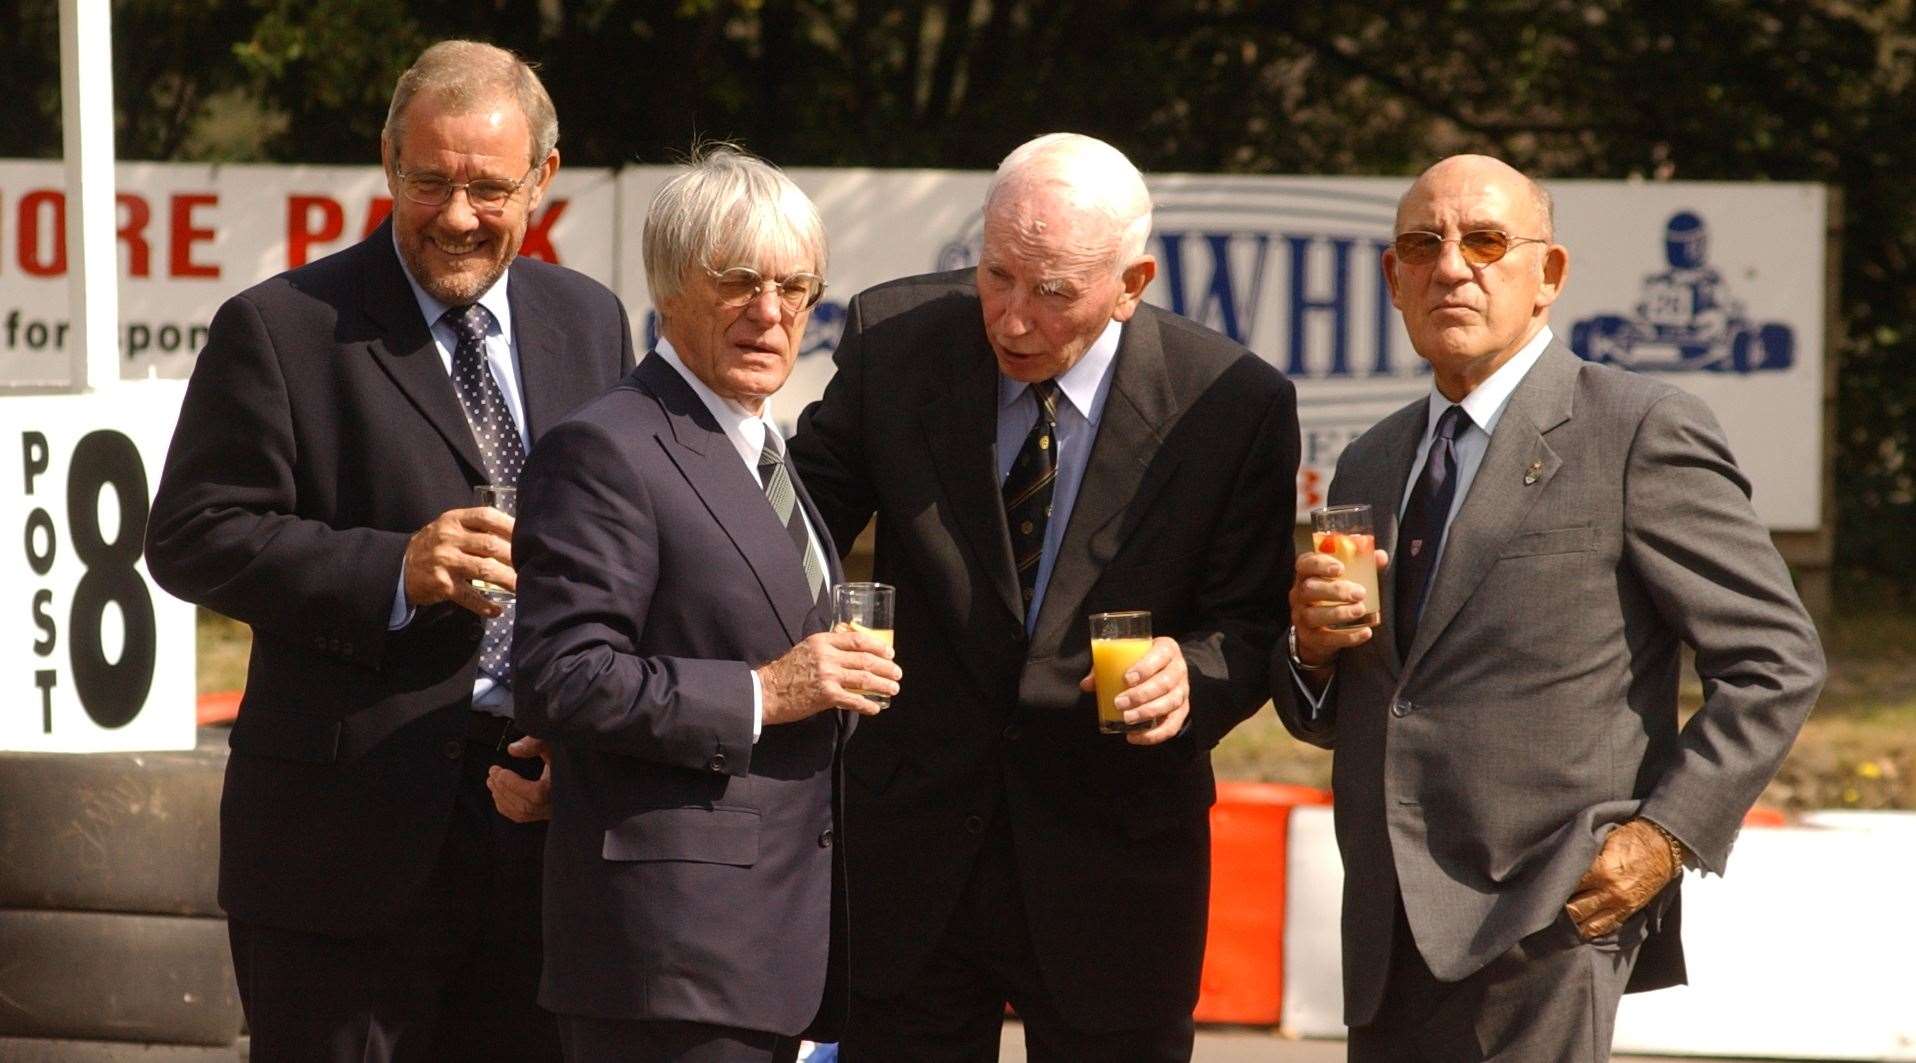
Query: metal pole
93	267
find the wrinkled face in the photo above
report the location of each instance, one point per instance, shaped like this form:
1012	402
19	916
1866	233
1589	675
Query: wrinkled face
1466	320
1048	283
743	353
452	250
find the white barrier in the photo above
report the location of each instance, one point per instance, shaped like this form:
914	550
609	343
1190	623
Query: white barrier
1803	951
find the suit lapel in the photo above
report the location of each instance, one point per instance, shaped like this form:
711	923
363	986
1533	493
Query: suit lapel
961	428
731	494
406	352
545	387
1516	468
1138	411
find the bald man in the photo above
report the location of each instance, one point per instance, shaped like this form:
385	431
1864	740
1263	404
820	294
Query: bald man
1515	799
1039	445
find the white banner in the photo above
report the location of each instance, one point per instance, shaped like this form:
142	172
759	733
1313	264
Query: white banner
191	236
1716	287
96	657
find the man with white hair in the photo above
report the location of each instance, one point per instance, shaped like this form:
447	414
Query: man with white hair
672	647
1038	445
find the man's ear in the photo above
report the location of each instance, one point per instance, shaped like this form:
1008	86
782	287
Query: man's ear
1556	273
1136	278
540	180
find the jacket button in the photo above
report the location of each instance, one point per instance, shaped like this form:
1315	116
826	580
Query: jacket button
1400	707
825	839
1012	732
455	748
717	763
975	824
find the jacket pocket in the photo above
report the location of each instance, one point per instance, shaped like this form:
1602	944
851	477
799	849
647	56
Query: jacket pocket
1550	541
694	835
291	736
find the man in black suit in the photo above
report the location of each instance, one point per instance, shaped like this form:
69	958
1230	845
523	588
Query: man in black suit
320	488
672	646
1039	445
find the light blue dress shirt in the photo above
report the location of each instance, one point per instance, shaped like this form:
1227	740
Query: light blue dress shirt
1084	388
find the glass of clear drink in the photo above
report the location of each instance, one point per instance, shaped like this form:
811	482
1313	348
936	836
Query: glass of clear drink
1117	641
1347	534
865	607
506	500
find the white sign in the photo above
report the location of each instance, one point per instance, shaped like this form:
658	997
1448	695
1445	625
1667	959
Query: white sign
96	658
191	236
1715	287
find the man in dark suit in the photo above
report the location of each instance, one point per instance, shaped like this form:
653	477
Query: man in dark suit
1039	445
672	646
320	488
1515	801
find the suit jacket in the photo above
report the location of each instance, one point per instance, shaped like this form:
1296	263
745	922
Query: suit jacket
320	430
1186	509
1607	525
688	870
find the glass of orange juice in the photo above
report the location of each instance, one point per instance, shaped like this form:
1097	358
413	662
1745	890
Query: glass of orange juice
1346	533
1117	641
865	607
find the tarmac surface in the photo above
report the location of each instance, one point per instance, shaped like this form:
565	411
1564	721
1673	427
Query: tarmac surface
1226	1045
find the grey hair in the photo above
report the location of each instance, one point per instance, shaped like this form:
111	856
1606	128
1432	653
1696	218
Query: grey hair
726	207
1546	207
1096	172
466	74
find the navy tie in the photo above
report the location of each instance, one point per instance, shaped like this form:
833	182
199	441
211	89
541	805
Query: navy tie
1421	535
1027	489
499	446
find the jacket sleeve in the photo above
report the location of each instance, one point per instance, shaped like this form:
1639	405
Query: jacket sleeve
1241	594
1709	567
829	445
226	529
587	548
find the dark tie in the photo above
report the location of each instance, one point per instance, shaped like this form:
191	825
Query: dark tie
1421	535
776	476
1027	490
499	445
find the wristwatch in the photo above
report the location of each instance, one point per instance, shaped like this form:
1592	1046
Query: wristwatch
1290	637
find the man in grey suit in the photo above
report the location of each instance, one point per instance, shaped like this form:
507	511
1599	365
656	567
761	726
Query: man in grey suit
1515	799
673	585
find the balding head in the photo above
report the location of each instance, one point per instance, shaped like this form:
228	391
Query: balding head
1466	316
1086	175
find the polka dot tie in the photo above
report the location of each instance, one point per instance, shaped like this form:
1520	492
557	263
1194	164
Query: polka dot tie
499	446
1027	490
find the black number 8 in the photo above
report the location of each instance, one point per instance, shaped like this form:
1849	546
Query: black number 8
112	693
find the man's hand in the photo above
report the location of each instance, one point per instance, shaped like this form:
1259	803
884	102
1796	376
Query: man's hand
1157	690
518	798
1322	598
828	671
444	557
1633	866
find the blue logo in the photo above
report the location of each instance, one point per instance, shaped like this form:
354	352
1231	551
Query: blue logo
1685	318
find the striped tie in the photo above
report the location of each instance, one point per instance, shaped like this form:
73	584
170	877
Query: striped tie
777	478
1027	490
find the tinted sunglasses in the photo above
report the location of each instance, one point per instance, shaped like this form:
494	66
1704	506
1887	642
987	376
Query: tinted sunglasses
1480	247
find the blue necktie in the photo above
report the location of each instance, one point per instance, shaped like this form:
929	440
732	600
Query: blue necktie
1027	489
1421	535
499	446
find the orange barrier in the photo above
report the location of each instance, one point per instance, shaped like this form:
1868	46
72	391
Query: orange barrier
219	706
1765	816
1243	980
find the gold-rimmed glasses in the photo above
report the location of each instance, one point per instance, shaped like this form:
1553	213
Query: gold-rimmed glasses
1480	247
797	292
434	189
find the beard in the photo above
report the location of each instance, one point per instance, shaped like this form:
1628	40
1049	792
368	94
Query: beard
456	286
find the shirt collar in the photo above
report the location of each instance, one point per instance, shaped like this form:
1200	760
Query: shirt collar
493	298
1079	384
744	428
1486	402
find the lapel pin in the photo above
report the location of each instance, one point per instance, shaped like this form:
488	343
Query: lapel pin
1533	474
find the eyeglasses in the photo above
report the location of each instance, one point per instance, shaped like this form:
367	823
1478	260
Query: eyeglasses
434	190
1480	247
739	285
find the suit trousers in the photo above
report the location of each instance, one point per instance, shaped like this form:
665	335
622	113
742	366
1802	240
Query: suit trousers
589	1040
953	1011
1550	996
456	978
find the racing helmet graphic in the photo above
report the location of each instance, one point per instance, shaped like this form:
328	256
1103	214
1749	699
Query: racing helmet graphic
1685	241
